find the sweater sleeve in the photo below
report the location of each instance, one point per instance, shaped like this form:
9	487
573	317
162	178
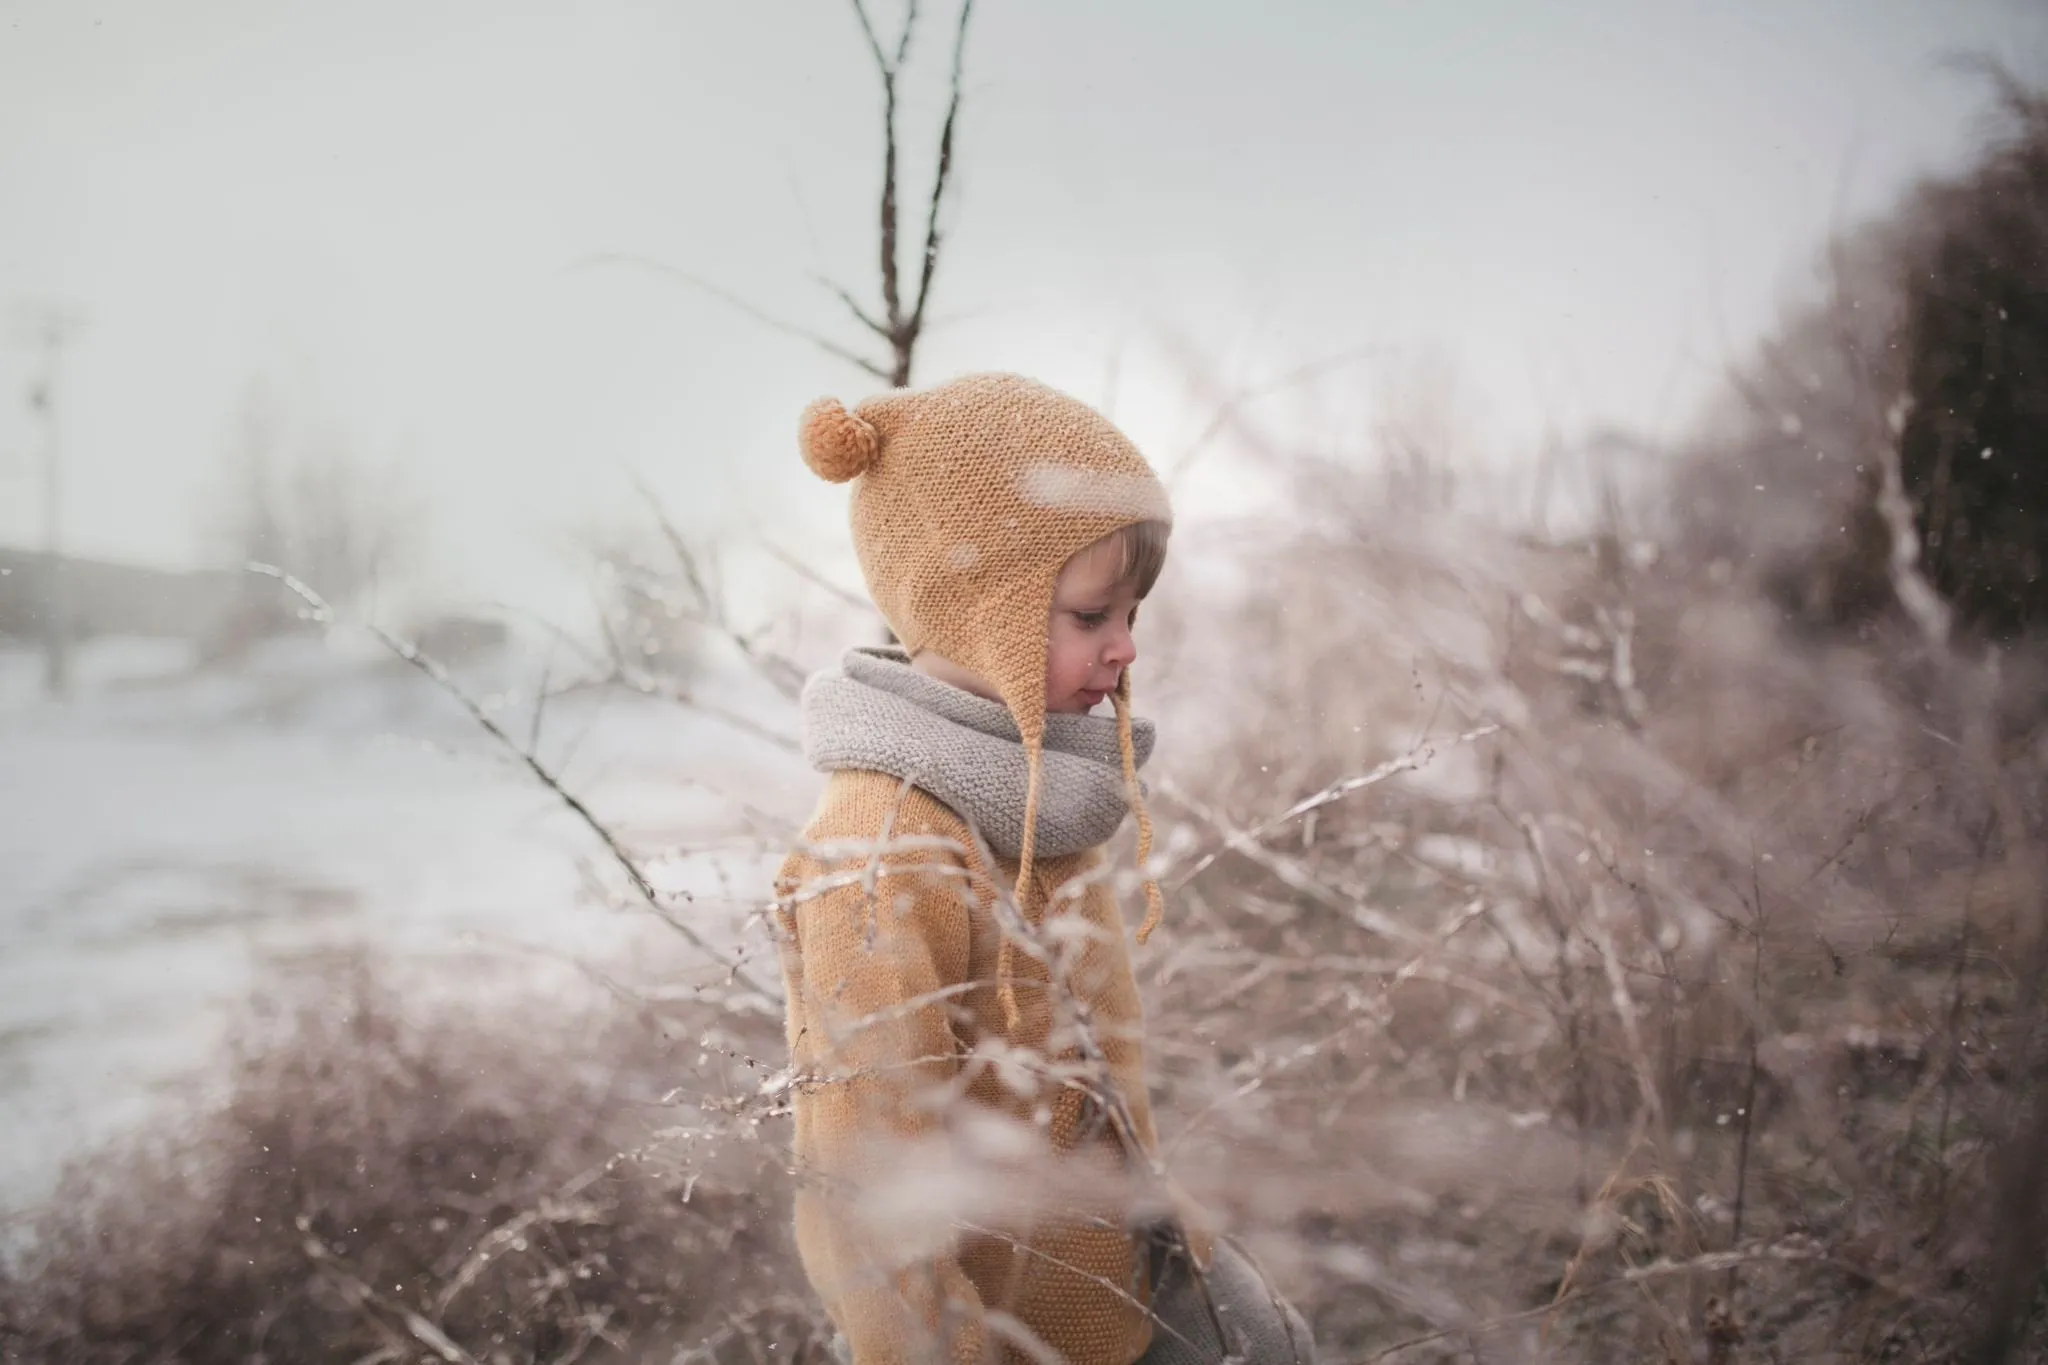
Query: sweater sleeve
879	949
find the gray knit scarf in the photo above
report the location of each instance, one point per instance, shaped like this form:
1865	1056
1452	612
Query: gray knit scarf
877	713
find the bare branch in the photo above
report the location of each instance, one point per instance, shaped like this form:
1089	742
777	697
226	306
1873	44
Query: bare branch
1291	873
732	300
324	614
1784	1254
1929	612
782	674
892	303
816	579
1227	412
846	297
686	559
634	680
903	40
1415	758
874	43
364	1298
540	704
929	266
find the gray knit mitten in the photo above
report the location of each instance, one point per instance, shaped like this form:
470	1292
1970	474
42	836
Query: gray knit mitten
1265	1328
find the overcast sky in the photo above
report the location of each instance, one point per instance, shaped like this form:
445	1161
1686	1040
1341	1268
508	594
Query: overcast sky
382	215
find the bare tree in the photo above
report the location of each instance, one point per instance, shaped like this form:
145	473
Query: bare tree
900	323
900	327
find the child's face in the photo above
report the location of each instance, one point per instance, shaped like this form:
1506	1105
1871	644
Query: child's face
1088	641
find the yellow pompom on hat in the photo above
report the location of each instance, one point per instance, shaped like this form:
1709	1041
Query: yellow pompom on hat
968	500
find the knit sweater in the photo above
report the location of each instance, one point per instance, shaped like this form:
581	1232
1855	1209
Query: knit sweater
953	1193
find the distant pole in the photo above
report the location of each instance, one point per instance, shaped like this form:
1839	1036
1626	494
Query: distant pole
51	329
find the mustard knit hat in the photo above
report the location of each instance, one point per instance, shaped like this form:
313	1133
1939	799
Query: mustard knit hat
968	500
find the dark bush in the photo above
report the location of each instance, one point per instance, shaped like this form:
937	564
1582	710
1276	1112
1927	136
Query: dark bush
1974	450
1929	342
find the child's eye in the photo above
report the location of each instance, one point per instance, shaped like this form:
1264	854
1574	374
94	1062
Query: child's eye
1092	620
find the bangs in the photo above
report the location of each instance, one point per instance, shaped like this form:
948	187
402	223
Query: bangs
1141	554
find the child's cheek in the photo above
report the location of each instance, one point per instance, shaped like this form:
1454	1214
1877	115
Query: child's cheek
1060	667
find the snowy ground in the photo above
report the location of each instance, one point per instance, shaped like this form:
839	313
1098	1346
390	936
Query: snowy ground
167	837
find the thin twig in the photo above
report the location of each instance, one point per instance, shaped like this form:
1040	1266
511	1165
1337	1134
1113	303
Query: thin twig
1416	758
892	303
734	301
540	704
1633	1276
1953	1024
861	315
816	579
622	674
358	1292
324	613
783	675
1227	412
1758	932
930	263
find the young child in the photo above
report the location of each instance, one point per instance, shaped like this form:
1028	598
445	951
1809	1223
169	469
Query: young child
975	1156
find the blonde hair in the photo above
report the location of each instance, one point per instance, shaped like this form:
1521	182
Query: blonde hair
1141	553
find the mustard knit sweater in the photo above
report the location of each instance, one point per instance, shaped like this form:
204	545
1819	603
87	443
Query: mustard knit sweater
899	1040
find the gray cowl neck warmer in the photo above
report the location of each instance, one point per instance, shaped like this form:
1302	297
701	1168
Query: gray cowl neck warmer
876	713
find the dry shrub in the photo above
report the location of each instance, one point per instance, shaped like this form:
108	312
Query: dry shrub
1976	337
1690	1012
386	1183
1679	1018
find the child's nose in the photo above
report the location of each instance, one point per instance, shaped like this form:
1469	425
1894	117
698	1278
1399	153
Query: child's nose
1122	651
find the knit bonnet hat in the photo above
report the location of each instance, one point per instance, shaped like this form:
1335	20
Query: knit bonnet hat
968	499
